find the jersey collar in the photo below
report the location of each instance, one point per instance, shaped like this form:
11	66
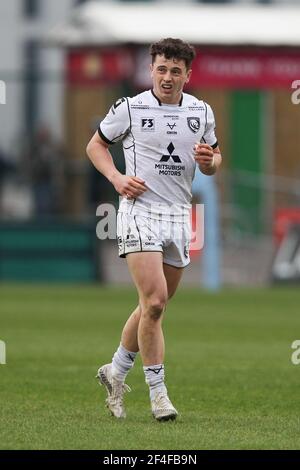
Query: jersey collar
161	104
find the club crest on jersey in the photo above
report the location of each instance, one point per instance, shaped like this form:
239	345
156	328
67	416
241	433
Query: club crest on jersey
194	124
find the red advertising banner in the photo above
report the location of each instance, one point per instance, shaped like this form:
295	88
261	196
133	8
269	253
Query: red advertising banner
96	66
225	67
246	69
216	67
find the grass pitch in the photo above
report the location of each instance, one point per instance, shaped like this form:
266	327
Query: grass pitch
228	370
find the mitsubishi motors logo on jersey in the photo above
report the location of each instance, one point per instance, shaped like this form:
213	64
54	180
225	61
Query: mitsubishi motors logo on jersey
166	158
166	167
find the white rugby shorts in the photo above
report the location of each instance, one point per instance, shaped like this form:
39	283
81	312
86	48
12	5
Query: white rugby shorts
138	233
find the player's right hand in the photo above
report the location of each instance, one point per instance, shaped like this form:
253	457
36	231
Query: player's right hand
130	187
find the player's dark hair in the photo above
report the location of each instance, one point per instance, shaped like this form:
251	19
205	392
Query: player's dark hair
173	49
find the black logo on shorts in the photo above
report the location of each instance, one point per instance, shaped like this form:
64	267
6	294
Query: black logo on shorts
129	235
194	124
186	250
166	158
148	124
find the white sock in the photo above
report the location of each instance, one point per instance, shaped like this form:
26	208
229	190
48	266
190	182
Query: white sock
155	376
122	362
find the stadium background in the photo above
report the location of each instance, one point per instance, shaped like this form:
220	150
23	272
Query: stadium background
62	290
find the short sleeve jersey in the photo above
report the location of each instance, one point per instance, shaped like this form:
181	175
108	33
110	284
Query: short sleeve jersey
158	141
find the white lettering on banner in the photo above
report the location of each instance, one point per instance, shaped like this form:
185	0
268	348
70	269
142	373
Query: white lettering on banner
288	68
233	67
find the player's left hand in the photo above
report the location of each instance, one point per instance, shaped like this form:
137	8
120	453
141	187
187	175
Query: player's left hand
204	155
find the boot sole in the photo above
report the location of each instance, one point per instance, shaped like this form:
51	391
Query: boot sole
166	418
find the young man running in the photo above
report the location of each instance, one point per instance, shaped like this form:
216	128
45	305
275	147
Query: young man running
164	133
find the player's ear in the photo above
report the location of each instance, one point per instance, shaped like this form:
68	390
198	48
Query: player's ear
189	73
151	70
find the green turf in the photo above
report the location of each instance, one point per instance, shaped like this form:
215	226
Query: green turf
228	370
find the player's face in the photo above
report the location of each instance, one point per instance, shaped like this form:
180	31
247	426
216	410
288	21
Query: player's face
169	77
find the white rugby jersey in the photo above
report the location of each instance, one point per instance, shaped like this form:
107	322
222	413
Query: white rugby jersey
158	141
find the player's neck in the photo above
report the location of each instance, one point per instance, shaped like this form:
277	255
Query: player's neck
162	101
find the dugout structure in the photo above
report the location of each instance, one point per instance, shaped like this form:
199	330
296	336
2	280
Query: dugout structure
50	250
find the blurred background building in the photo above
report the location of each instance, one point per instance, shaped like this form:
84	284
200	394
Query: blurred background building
65	62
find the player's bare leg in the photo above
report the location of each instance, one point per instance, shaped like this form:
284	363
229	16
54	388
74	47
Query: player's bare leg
129	348
129	338
149	277
129	334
